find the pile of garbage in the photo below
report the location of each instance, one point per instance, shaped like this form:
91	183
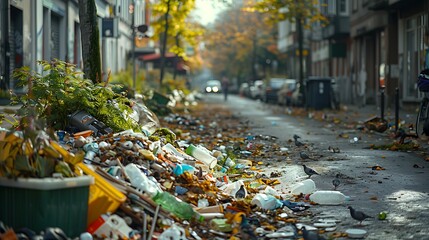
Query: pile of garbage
167	182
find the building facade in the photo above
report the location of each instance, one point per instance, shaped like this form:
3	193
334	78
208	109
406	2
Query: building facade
32	30
373	48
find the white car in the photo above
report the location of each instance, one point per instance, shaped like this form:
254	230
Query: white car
256	89
213	86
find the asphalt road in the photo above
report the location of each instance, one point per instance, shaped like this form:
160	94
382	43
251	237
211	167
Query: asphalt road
401	189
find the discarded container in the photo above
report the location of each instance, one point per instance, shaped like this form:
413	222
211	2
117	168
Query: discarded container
209	216
107	226
103	197
211	209
174	232
201	155
179	208
267	202
329	197
220	225
41	203
140	181
179	169
305	187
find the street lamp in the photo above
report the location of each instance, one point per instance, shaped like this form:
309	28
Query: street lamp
141	28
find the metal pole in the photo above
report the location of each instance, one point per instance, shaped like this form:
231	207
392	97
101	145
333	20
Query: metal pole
382	103
133	46
396	109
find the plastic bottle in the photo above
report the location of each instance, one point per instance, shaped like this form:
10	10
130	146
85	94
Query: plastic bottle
329	197
267	202
202	155
140	181
181	168
179	208
305	187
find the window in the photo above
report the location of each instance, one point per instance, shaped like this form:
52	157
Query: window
355	5
332	7
414	54
343	7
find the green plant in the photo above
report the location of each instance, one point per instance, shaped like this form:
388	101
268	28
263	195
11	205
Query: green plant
61	90
5	94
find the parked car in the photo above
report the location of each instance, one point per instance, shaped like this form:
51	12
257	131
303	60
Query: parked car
244	90
285	93
256	89
270	90
213	86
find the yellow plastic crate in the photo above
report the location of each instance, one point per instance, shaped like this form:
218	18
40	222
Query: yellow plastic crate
103	197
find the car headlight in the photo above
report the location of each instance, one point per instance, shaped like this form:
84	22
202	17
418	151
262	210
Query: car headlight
208	89
215	89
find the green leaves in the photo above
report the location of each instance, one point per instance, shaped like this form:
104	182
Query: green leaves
60	90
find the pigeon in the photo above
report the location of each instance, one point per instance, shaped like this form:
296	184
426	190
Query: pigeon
309	171
304	156
241	193
358	215
297	142
246	230
336	182
310	235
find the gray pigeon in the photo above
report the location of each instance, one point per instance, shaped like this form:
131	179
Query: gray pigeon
336	182
309	171
358	215
241	193
310	235
304	156
297	142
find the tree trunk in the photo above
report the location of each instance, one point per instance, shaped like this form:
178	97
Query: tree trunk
164	45
90	40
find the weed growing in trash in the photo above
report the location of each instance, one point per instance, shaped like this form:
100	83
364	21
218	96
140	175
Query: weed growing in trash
61	90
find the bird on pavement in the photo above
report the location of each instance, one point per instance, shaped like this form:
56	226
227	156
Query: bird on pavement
241	193
358	215
304	156
246	230
310	235
336	181
297	142
309	171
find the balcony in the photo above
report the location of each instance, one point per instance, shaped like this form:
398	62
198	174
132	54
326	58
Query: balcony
338	27
376	5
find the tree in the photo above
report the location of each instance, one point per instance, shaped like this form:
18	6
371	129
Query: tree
175	28
239	43
90	40
302	12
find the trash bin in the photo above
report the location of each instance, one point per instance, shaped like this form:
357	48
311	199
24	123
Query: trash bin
318	93
46	202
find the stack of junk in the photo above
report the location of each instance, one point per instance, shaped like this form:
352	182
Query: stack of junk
94	184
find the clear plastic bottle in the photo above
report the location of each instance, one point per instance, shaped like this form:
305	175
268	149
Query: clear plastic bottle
140	181
305	187
179	208
329	197
202	155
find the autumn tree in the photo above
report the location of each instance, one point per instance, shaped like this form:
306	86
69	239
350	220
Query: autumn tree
301	12
174	28
90	40
239	43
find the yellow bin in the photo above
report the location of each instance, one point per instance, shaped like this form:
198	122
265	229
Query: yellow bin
103	197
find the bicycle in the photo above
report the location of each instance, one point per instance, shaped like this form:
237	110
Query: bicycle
422	121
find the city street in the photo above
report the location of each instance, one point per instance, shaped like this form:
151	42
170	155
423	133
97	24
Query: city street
400	189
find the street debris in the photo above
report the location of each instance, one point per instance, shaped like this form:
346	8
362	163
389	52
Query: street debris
187	175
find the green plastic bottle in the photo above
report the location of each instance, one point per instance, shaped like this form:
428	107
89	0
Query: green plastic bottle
178	208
